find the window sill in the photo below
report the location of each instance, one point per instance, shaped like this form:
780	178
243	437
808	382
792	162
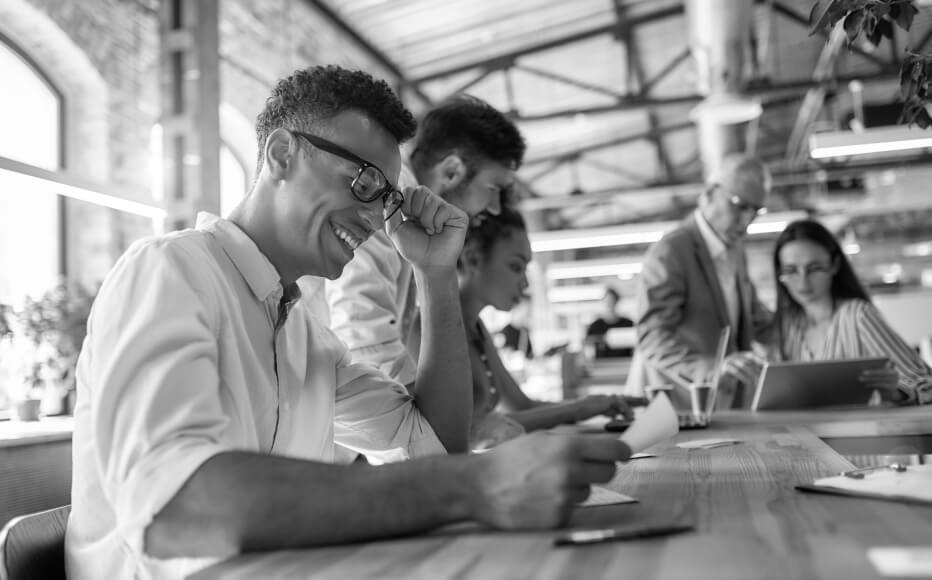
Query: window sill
45	430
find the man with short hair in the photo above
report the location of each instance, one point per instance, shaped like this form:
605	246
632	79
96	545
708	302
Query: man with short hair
694	282
467	153
209	407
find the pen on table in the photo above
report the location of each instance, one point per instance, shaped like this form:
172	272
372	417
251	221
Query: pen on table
582	537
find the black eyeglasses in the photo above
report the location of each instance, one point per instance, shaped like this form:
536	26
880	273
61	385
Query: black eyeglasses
369	184
741	205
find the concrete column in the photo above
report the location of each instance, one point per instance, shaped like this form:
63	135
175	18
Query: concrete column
720	34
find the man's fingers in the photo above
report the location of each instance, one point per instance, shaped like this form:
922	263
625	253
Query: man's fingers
592	472
604	449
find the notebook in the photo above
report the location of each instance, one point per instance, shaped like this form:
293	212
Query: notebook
913	485
804	385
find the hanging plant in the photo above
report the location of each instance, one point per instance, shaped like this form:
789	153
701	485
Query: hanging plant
874	20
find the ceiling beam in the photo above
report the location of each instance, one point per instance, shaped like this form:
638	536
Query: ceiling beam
778	89
506	60
635	67
782	177
575	153
380	57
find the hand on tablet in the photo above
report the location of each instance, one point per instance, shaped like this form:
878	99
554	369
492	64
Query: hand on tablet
885	380
744	366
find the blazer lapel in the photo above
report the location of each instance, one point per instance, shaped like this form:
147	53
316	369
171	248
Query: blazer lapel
707	266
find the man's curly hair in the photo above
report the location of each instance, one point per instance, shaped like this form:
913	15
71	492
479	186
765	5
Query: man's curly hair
311	96
471	128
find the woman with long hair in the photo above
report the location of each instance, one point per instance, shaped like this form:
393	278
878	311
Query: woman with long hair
824	313
492	272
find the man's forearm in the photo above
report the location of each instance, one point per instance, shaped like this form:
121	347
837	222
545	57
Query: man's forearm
443	388
240	502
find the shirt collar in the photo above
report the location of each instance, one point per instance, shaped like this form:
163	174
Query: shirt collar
261	276
715	244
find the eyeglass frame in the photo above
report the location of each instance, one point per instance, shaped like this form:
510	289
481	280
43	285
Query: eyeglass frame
807	271
740	204
383	193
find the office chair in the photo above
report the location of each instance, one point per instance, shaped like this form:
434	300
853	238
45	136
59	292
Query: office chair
32	546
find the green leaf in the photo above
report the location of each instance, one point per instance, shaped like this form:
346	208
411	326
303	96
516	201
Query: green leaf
904	17
853	24
826	13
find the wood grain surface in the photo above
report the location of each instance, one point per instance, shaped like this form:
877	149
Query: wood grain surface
750	521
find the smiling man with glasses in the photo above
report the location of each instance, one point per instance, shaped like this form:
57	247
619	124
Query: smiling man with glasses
694	282
210	405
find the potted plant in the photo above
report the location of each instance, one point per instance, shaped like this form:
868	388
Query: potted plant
45	337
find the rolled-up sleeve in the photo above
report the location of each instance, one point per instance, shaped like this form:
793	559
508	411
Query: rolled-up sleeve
376	416
151	375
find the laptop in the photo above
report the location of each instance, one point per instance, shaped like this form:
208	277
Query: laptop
804	385
702	401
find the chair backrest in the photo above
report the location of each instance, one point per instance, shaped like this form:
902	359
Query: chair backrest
33	546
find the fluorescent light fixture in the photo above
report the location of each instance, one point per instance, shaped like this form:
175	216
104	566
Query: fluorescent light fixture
625	235
592	269
875	140
648	233
580	293
918	249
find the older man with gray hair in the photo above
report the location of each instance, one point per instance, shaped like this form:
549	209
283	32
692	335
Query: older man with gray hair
694	283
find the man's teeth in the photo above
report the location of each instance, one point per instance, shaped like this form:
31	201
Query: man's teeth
347	237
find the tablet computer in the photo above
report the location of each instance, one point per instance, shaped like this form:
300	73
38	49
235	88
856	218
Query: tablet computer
804	385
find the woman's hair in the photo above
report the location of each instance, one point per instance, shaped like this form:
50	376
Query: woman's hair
845	283
482	236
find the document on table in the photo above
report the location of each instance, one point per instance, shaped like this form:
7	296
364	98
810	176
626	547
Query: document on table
654	424
603	496
912	486
708	443
906	561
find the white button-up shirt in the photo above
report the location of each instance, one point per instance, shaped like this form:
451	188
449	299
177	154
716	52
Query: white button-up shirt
186	357
726	268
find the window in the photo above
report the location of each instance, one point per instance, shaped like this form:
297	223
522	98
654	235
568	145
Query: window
30	216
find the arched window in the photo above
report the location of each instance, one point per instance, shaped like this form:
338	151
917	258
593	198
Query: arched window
30	215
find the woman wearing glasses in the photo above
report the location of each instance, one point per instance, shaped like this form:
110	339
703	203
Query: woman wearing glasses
823	313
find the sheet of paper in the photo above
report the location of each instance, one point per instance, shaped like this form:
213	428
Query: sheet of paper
654	424
604	496
642	455
707	443
914	483
902	561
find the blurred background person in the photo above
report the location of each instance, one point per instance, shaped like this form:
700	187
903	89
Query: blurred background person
492	271
596	333
824	313
694	282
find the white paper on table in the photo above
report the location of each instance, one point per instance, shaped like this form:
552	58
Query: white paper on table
707	443
901	561
603	496
641	456
654	424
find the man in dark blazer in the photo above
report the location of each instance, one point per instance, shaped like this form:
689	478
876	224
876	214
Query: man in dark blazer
694	283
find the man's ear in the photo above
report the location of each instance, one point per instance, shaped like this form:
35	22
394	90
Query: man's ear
452	170
280	152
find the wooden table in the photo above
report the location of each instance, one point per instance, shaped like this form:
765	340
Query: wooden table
750	521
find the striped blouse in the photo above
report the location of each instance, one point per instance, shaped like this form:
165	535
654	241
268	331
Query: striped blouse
858	330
